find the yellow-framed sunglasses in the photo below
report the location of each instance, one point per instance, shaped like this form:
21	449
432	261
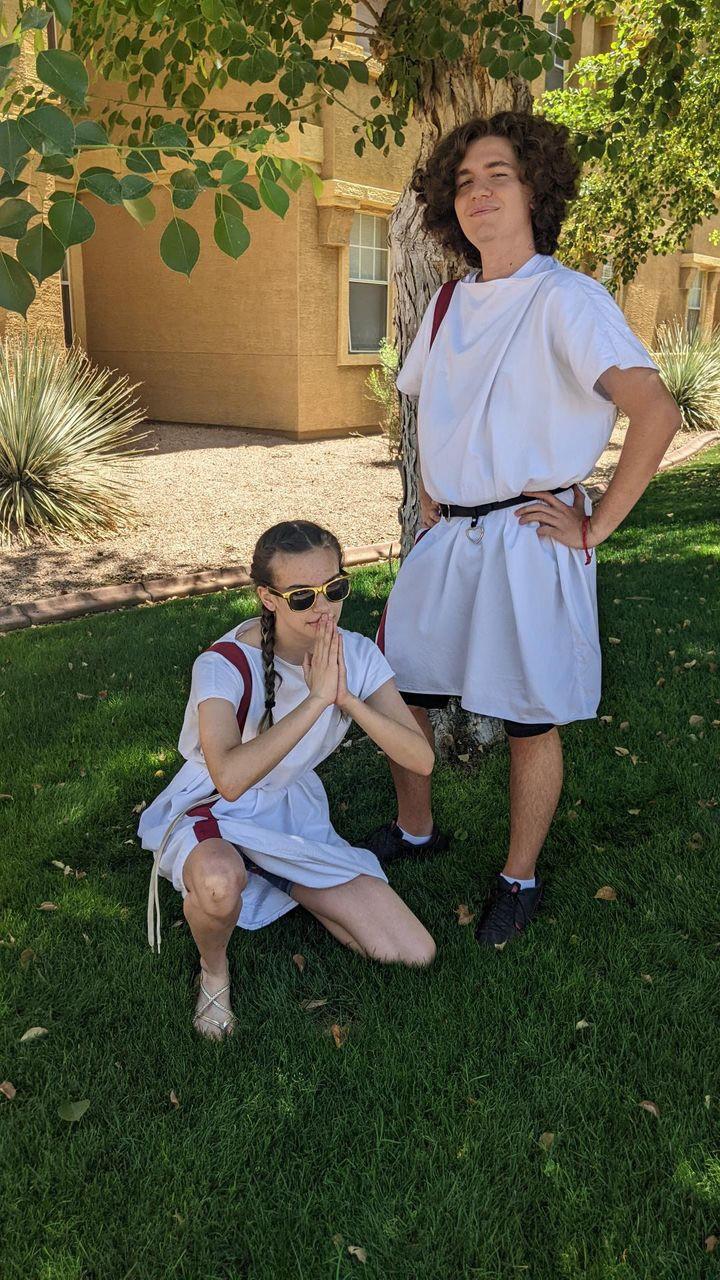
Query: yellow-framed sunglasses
300	598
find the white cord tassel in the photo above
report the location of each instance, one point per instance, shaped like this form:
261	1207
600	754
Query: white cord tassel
153	907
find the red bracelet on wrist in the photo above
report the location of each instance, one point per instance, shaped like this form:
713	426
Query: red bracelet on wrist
586	549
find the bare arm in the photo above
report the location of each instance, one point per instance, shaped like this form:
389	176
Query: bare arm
653	420
236	766
389	722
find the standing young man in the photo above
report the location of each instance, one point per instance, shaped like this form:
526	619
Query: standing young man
520	371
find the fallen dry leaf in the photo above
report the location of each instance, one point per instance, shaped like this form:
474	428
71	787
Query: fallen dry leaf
299	962
103	694
711	1243
582	1025
73	1111
606	719
646	977
624	724
614	639
696	720
696	841
633	812
500	946
138	808
5	796
8	1089
652	1107
26	956
356	1252
464	914
606	893
33	1033
309	1005
621	751
84	697
159	773
546	1140
48	906
174	1100
339	1034
464	757
689	665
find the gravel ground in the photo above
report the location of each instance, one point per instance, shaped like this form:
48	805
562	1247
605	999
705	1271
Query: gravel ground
203	495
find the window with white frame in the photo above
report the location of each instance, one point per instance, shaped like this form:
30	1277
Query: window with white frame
555	78
694	301
368	282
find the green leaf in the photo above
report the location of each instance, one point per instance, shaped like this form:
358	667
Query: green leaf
233	171
246	194
13	147
292	82
64	72
58	166
336	75
231	234
316	180
14	217
213	10
499	68
170	137
73	1111
62	10
34	19
292	174
530	68
49	130
193	97
134	187
90	134
358	71
272	195
453	47
185	189
180	246
71	222
143	210
9	51
9	188
103	184
40	252
153	60
17	290
145	161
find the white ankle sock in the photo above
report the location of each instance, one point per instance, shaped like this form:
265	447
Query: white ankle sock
413	839
524	884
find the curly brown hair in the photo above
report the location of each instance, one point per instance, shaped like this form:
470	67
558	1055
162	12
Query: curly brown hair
547	164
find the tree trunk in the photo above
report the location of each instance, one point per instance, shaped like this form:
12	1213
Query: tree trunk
453	94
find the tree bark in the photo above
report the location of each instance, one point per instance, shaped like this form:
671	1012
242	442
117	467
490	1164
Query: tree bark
452	94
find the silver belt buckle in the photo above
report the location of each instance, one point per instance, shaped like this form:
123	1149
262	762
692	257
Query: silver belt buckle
475	532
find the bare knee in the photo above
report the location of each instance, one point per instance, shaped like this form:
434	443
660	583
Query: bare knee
417	952
216	882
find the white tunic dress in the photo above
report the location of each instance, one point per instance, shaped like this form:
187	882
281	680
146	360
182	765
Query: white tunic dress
507	405
282	822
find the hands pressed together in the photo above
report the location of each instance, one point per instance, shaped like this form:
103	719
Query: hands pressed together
324	669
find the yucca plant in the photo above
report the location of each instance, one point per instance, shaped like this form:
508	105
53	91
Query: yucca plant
65	431
690	368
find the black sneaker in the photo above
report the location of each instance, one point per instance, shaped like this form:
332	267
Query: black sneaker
388	844
507	912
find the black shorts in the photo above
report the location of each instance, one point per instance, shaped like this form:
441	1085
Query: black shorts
253	869
438	701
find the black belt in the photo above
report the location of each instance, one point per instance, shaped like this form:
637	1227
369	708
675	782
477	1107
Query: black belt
448	509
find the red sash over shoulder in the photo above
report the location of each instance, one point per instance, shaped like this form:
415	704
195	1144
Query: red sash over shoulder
234	655
444	299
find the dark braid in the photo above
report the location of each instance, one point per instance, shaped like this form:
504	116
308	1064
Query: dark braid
267	646
291	537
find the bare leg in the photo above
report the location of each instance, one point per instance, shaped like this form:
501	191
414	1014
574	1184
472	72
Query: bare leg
368	916
536	778
215	877
413	789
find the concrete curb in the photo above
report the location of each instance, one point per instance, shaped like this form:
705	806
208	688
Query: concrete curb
38	613
14	617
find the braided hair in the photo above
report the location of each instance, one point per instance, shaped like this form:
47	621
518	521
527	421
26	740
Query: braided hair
292	537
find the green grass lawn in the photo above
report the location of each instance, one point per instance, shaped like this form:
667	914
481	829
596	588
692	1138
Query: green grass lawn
420	1140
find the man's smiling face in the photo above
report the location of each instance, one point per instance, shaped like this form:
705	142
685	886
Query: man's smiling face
491	202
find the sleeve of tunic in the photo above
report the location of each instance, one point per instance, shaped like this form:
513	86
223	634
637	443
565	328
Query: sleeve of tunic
367	667
214	677
410	376
590	333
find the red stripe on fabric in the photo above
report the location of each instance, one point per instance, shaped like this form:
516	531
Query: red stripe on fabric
235	656
207	828
443	302
380	638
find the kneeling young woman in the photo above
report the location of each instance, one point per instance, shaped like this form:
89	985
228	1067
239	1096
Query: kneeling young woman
243	830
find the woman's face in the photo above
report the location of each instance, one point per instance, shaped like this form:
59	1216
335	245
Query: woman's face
491	202
306	569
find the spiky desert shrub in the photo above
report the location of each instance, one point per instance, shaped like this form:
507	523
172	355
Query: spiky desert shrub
690	368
